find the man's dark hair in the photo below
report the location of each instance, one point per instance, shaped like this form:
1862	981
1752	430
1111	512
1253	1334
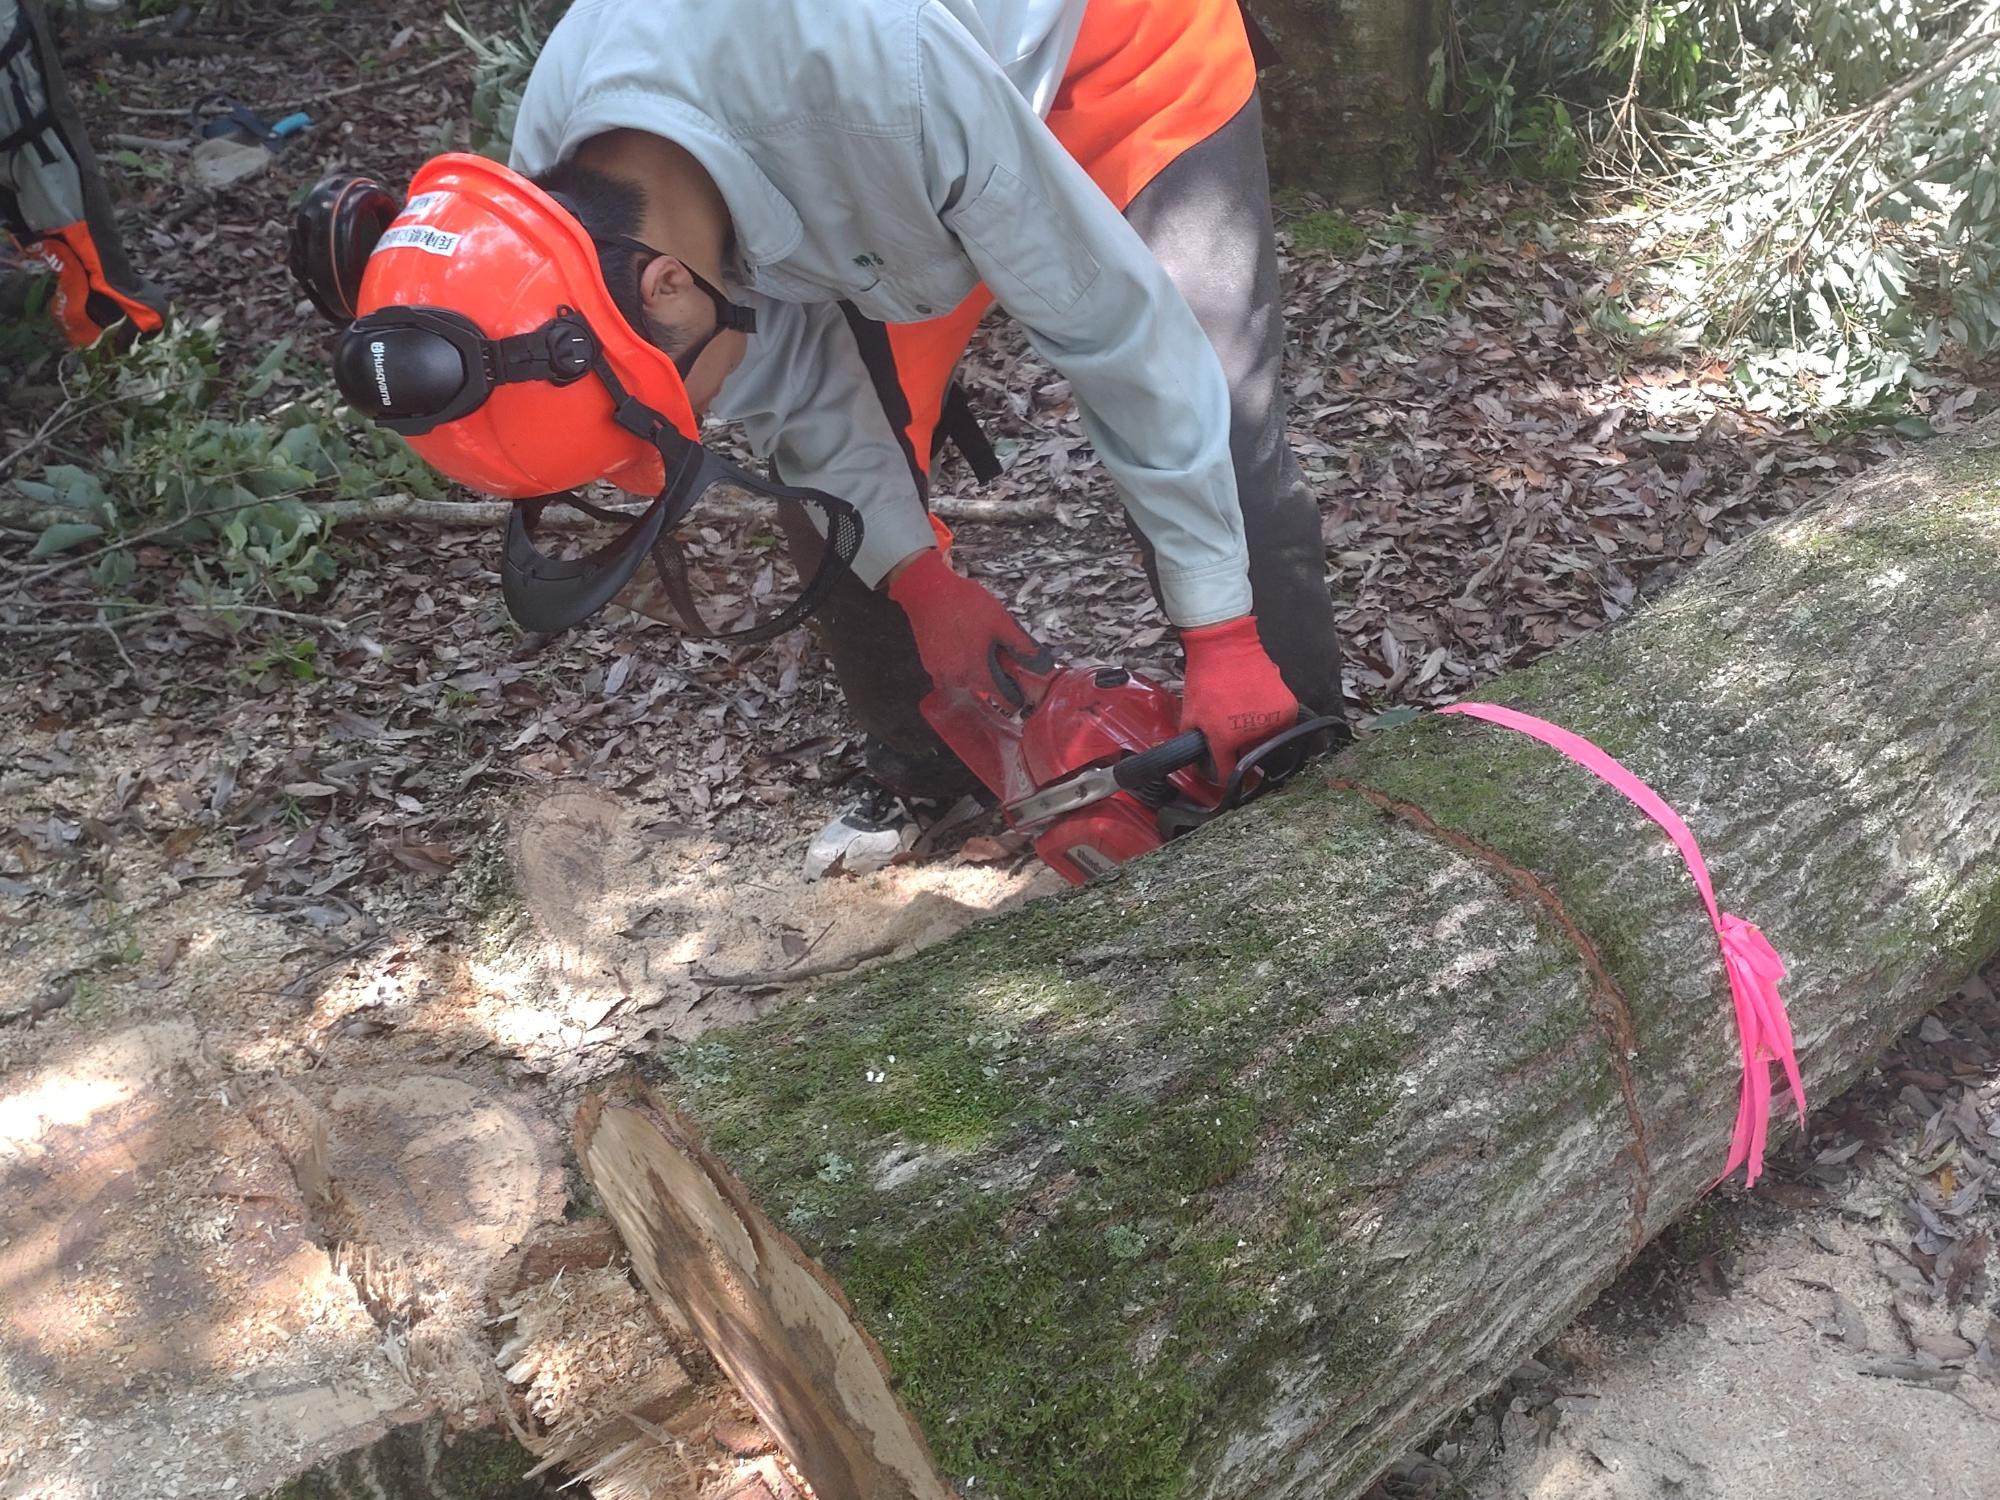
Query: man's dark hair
608	207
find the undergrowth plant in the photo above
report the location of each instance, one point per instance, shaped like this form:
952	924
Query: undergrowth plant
1813	182
212	470
501	62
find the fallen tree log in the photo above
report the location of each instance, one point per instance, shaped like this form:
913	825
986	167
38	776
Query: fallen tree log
1231	1175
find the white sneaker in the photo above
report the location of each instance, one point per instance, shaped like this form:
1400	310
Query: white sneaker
865	835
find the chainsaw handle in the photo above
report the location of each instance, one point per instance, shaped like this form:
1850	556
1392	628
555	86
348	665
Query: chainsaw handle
1178	818
1233	795
1144	775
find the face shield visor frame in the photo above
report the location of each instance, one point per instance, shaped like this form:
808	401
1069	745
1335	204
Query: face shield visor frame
416	369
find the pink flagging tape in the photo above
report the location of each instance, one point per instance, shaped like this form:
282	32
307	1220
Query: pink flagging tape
1763	1030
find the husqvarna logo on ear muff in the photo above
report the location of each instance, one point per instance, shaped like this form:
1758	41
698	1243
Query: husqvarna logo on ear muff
379	353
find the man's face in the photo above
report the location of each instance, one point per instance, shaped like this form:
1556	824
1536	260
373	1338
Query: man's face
711	367
680	315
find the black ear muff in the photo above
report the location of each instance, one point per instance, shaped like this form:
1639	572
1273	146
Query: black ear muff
413	369
407	377
336	227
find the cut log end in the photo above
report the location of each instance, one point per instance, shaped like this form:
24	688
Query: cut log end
768	1314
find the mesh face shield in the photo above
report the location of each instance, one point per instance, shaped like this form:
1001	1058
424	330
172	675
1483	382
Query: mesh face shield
735	556
715	534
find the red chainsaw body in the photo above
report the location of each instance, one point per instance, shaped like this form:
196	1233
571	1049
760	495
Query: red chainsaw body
1093	717
1071	719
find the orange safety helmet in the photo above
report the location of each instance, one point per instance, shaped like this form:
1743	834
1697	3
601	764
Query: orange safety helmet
488	245
483	313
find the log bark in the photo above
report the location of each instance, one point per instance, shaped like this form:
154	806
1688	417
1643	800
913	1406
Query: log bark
1347	104
1232	1174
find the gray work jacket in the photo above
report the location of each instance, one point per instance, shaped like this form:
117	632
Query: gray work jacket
892	154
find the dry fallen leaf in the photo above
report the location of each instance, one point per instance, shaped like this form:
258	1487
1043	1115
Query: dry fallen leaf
981	849
423	859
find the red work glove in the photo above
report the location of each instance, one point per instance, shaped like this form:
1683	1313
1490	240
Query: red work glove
957	624
969	645
1234	694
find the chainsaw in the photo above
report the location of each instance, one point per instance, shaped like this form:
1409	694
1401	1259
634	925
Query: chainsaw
1090	763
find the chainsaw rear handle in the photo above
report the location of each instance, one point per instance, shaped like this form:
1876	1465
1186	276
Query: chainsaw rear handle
1275	773
1144	774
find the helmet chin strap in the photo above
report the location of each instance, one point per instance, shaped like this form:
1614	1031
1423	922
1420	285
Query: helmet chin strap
583	586
730	317
684	361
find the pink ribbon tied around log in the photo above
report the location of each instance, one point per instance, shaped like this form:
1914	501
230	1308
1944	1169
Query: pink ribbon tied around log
1763	1030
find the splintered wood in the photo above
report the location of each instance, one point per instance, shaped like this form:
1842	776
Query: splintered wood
617	1398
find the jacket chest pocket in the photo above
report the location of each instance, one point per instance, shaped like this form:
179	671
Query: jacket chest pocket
895	285
917	295
785	284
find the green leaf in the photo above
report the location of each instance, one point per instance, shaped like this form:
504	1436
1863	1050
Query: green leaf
64	535
1913	427
1394	718
114	570
268	369
77	489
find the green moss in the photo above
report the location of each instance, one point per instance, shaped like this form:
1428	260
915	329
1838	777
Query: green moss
1167	1153
1556	1027
1339	1083
1334	233
1069	1363
976	1347
1583	1087
1193	1009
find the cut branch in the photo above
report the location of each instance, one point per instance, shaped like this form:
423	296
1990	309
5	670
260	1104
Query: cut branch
147	615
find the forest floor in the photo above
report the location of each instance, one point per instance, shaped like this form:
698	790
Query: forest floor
315	939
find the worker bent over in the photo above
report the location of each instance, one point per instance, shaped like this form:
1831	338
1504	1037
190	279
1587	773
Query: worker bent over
790	214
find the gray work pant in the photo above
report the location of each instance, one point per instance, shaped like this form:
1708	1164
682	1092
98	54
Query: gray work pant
1207	216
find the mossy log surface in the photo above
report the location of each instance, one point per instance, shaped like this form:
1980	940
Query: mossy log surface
1230	1175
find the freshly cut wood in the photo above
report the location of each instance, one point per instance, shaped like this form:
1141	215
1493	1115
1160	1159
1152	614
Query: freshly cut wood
1231	1175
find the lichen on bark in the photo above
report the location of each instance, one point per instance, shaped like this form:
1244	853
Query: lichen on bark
1347	102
